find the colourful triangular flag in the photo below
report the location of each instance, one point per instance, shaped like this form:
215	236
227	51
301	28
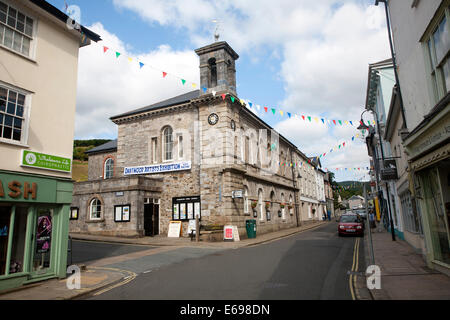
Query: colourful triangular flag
224	96
289	115
141	65
232	99
183	81
164	74
205	89
117	54
105	49
273	110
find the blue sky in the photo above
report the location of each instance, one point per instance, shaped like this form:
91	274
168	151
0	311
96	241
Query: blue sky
302	57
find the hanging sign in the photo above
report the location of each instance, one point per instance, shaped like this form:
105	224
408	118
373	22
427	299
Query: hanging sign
45	161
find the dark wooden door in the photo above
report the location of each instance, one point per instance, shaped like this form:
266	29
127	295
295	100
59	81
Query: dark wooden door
148	219
155	219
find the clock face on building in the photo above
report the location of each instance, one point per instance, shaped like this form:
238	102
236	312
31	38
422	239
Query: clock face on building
213	119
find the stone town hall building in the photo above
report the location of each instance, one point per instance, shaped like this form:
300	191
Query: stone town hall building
196	154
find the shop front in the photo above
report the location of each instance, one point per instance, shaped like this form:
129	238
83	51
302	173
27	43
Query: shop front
429	151
34	222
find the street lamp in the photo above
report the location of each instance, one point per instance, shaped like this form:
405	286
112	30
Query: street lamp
362	126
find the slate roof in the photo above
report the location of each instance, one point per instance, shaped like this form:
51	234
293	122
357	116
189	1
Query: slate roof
109	146
184	98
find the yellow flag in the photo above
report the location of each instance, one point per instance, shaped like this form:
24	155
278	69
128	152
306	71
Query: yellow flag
281	112
130	59
194	85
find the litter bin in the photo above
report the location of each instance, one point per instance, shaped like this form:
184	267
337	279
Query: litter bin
251	228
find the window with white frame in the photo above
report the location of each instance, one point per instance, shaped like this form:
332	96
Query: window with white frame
246	201
438	50
109	168
168	144
95	209
12	114
412	219
16	29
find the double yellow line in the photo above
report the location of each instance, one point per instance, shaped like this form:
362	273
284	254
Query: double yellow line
353	275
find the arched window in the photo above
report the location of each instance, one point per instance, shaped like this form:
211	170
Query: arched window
283	207
246	202
108	169
168	144
95	209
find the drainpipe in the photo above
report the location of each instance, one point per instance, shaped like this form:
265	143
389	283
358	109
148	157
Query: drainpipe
295	190
394	61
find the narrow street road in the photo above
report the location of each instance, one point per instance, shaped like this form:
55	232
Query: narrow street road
309	265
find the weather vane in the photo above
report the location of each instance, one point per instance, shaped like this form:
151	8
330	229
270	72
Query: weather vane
216	32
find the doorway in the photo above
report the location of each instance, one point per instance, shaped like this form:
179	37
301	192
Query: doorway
151	217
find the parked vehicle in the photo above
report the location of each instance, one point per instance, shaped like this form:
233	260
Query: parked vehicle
361	212
351	224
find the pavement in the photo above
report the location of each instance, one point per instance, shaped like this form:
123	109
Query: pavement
97	278
404	273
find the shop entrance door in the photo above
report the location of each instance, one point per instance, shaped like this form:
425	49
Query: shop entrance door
42	242
5	216
151	219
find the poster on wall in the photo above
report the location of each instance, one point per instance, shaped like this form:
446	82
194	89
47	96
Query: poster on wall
197	209
190	210
44	234
182	211
176	215
126	213
118	214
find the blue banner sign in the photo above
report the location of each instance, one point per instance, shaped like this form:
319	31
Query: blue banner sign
158	168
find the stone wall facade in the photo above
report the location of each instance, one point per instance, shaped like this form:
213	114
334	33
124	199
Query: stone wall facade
238	153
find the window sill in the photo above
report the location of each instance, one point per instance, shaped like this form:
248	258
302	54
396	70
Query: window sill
18	53
95	221
14	143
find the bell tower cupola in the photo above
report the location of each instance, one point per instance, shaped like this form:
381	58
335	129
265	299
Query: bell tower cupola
217	68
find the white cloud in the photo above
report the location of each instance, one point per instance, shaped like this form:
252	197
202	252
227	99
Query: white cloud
108	86
324	46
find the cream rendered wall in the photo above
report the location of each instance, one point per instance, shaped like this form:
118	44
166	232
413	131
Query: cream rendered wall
52	79
408	26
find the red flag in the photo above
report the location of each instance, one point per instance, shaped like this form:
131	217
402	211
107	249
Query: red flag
334	121
343	144
266	109
224	96
105	49
164	74
303	117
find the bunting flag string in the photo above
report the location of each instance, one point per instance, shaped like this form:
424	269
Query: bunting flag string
341	145
141	64
244	102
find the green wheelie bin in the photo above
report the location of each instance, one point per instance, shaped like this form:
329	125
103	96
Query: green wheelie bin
251	228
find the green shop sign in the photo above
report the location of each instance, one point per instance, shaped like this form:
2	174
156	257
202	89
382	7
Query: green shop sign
45	161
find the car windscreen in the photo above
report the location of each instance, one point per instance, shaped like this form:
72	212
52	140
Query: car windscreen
349	219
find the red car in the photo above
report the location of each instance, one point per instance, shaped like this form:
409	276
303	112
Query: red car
351	224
